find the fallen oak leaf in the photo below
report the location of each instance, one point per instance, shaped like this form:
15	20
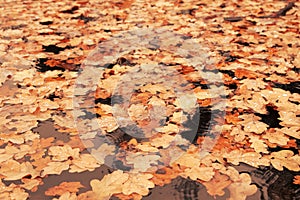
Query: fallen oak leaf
201	173
285	158
217	185
19	194
240	73
110	184
276	136
13	170
83	163
292	131
251	158
55	167
231	172
31	184
63	188
251	123
103	151
62	153
187	159
163	141
168	129
39	162
258	144
138	183
241	189
142	162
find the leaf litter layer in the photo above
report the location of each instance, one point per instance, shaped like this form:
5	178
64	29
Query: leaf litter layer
255	47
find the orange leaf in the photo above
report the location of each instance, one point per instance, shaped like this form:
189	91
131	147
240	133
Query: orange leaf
52	63
297	180
165	175
63	188
240	73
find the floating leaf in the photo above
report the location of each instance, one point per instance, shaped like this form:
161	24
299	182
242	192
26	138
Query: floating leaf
63	188
217	185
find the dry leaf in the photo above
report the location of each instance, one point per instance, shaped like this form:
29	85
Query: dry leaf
13	170
18	194
276	137
217	185
292	131
164	141
251	124
142	162
241	189
63	188
188	160
103	151
258	144
138	112
83	163
31	184
62	153
201	173
55	167
110	184
285	158
251	158
169	129
138	183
